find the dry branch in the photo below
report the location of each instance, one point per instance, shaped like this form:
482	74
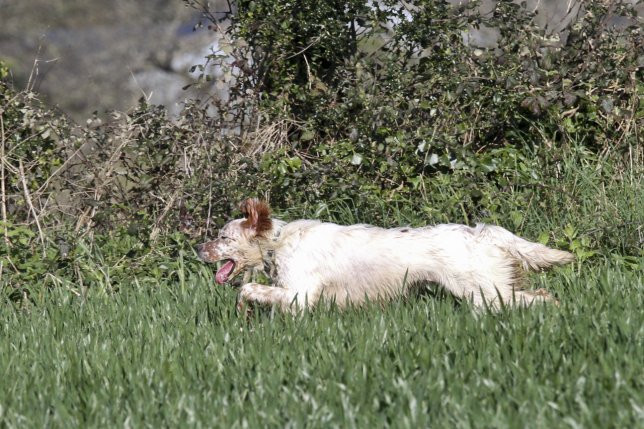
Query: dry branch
2	184
29	202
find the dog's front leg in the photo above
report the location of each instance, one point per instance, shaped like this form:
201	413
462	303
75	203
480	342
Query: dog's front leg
285	299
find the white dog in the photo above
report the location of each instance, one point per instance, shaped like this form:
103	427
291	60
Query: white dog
309	259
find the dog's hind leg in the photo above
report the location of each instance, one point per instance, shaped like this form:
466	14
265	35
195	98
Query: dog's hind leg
285	299
512	298
495	281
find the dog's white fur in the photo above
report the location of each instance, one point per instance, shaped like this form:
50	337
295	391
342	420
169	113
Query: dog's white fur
309	259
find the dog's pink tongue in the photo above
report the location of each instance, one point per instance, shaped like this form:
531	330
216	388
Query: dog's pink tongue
224	272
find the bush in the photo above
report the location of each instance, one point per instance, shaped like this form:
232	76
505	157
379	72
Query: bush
382	112
335	115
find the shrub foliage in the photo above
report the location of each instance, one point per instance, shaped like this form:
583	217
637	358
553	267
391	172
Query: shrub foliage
377	109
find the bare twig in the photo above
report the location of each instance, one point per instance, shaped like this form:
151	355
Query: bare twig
58	170
104	177
3	190
306	48
29	202
157	226
35	71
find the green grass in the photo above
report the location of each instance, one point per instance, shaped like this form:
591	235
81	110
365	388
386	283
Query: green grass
179	357
151	341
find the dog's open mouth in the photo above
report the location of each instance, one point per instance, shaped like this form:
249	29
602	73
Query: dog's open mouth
224	272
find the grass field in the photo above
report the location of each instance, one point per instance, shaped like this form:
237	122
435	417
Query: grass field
107	318
180	357
172	353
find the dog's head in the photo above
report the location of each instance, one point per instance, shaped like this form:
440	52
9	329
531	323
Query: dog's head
236	243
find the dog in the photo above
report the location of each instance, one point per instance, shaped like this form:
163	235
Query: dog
309	260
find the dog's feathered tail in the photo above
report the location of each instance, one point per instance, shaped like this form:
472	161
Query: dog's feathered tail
531	256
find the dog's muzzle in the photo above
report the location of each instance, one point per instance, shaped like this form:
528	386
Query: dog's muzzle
205	252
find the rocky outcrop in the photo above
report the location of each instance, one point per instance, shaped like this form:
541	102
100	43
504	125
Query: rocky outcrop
83	57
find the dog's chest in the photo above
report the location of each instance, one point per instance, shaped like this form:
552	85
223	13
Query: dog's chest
279	258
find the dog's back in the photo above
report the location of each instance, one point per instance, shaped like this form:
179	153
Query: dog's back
352	263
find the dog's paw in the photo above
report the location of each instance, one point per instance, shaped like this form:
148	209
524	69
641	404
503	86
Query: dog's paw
246	292
241	304
245	297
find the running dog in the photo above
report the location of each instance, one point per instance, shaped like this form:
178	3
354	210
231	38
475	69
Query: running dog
308	260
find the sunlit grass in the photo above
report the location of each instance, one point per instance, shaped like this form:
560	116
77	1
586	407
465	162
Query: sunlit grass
168	349
170	357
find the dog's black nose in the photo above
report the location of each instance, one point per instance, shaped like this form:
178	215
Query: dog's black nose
198	248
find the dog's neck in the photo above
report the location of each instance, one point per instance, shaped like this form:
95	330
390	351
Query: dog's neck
267	248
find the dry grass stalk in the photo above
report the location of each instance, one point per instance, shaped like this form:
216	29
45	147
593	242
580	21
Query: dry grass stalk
2	184
29	202
156	229
269	137
106	177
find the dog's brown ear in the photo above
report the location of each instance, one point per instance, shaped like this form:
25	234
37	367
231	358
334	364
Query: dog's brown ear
257	214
